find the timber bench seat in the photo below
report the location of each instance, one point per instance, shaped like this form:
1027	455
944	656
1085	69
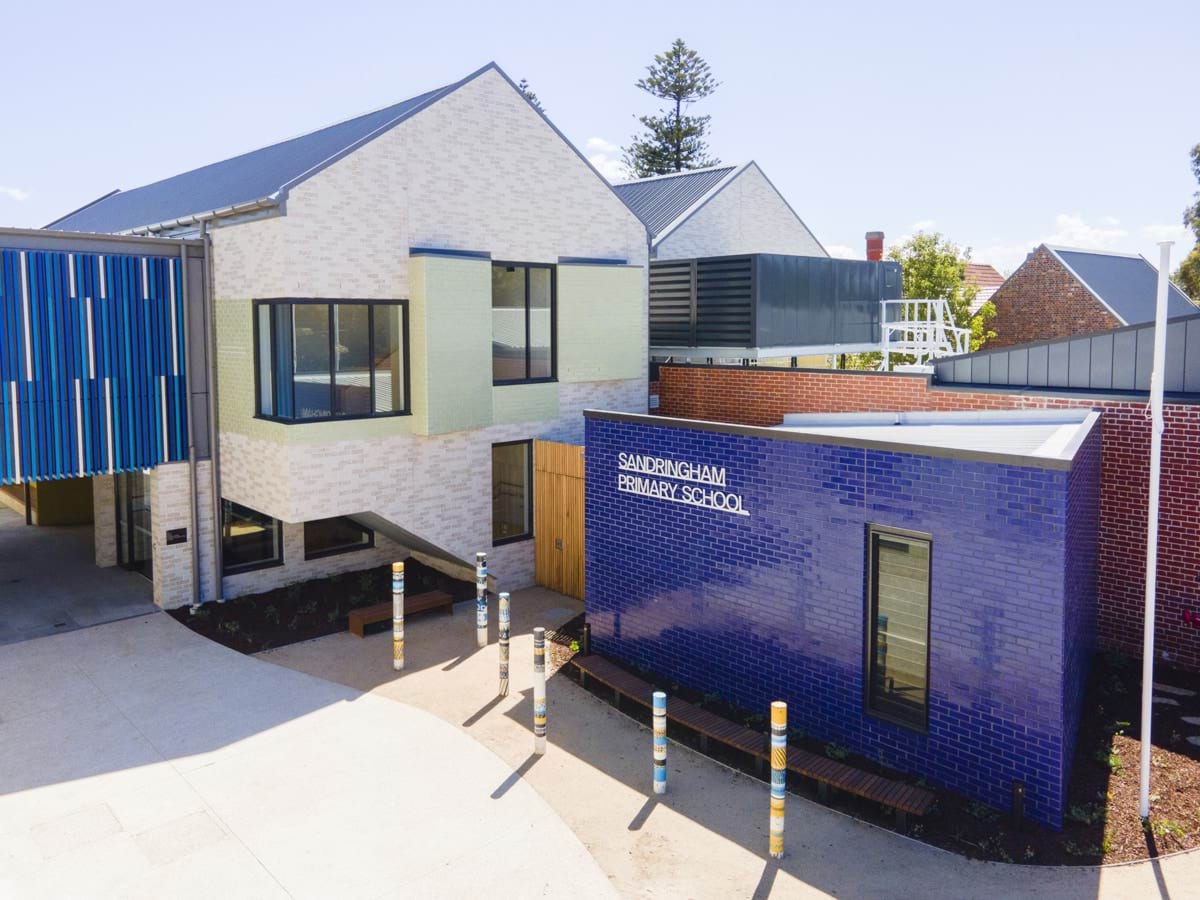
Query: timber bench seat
903	798
359	619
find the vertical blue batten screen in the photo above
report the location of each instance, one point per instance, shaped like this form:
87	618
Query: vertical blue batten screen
92	367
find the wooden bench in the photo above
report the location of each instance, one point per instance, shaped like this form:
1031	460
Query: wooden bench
413	603
903	798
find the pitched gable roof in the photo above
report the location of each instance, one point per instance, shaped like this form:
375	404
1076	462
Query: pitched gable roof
1126	284
258	179
986	278
661	200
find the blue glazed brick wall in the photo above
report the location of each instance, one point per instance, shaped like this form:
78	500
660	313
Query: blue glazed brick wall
1081	588
771	606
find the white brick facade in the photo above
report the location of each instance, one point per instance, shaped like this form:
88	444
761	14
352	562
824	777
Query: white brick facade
747	216
104	520
478	170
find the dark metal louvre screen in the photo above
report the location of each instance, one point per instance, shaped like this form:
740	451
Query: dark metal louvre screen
702	302
671	303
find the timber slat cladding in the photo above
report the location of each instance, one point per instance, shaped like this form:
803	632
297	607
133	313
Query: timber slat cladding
877	788
558	499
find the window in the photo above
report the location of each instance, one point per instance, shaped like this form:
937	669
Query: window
898	626
512	491
331	360
249	540
523	323
327	537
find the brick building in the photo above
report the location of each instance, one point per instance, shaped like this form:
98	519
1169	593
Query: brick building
764	396
401	303
1059	292
920	589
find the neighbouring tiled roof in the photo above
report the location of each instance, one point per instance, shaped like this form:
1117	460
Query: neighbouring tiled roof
660	200
986	278
1126	284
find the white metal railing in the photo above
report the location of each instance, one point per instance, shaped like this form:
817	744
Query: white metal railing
923	329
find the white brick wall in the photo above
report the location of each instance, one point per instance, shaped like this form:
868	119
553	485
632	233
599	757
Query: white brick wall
478	170
104	520
748	216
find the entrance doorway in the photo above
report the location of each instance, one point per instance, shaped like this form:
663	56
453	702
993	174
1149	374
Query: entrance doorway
133	523
558	517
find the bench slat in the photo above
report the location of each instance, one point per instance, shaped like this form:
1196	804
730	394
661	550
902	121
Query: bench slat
360	618
896	794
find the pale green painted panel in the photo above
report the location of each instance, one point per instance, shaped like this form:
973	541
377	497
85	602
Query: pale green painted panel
457	304
513	403
602	323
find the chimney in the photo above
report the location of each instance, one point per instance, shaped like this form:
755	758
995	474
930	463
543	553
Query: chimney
875	245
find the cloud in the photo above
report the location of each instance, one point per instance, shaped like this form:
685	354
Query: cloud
841	251
1178	233
606	157
1070	230
923	225
13	193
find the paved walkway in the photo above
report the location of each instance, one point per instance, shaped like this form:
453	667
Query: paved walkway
50	584
138	759
707	837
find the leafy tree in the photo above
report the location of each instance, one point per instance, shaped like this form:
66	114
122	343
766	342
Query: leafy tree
524	88
933	267
673	141
1187	276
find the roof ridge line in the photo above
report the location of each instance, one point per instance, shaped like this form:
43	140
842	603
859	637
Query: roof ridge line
680	174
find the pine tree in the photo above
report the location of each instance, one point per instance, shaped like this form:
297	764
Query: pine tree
1187	276
524	88
673	141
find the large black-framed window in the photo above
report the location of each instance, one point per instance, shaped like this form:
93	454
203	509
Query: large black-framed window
317	360
512	491
329	537
249	539
524	322
899	576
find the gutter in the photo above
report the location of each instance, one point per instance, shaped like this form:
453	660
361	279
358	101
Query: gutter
225	212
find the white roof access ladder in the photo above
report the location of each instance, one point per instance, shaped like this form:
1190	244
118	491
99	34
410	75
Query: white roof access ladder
922	329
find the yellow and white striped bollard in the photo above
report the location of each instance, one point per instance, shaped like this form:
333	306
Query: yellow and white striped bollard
778	776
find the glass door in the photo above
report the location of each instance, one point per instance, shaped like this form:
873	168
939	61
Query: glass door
133	522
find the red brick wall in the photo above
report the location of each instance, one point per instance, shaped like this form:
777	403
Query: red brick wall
1042	300
763	396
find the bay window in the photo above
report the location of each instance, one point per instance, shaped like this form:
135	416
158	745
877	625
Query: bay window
339	359
523	323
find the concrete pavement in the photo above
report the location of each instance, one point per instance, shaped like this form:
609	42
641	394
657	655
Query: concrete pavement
138	759
707	837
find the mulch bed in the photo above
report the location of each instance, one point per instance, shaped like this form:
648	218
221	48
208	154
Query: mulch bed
310	609
1102	824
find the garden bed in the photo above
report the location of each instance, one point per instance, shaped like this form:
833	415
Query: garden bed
1102	823
310	609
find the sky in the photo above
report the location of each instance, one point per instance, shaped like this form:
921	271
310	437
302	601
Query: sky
1000	125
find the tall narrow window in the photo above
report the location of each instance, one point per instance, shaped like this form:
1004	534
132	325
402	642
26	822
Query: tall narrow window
512	491
898	626
331	360
523	323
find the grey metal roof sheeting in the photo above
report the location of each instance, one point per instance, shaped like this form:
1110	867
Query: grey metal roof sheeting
1119	360
252	176
661	200
1126	284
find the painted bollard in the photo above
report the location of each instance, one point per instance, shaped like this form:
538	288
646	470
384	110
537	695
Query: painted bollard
539	690
398	616
660	742
778	776
505	626
481	609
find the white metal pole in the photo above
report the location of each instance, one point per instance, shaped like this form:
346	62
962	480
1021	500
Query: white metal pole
1156	430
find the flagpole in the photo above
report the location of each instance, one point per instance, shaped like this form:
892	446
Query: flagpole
1156	426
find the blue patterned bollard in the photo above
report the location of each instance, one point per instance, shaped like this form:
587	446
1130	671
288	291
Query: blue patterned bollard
539	691
481	611
660	742
505	623
398	616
